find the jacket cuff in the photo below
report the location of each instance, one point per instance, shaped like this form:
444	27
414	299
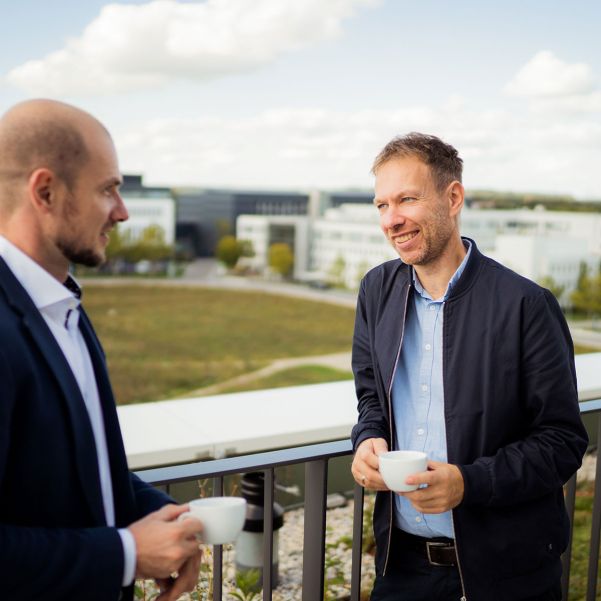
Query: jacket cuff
477	482
369	433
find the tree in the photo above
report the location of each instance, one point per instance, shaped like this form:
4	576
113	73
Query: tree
556	289
587	296
149	246
247	248
228	251
362	269
115	246
336	272
281	259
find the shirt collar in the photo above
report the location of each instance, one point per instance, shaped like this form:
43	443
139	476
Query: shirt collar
43	288
454	279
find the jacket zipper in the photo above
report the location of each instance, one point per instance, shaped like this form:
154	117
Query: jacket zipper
464	597
396	362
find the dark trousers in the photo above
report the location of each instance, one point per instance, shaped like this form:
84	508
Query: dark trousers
410	577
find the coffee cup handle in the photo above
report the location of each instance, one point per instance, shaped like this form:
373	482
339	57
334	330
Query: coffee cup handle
186	516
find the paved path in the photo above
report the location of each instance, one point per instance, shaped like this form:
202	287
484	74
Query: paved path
341	361
584	337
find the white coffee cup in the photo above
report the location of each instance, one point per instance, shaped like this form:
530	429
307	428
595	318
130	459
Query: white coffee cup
396	466
222	518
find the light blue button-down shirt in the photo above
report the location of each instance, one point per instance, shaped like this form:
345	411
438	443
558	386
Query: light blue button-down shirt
418	398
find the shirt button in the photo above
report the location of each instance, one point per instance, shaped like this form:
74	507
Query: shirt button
424	387
432	307
428	347
418	519
421	431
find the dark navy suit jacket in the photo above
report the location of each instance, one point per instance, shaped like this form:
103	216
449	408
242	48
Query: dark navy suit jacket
54	541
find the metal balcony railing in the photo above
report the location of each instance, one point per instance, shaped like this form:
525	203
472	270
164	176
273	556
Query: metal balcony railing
316	458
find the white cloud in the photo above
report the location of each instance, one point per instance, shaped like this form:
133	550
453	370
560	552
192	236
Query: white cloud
577	103
318	148
132	47
545	75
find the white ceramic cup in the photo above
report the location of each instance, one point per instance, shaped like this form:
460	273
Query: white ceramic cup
396	466
222	518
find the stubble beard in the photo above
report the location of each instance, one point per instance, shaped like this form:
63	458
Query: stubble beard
435	239
68	242
81	256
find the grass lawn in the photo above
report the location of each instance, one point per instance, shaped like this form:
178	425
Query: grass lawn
579	349
295	376
164	341
581	541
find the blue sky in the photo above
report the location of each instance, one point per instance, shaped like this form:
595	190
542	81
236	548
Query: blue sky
303	94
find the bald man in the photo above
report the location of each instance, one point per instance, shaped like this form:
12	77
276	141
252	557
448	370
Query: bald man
74	522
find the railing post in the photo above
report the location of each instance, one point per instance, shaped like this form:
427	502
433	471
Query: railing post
268	534
316	480
570	496
593	561
217	550
359	495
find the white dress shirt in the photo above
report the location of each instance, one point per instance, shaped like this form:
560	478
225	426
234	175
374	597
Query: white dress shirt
60	309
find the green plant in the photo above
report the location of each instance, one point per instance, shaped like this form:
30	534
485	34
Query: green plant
281	259
369	540
229	250
334	577
248	585
336	272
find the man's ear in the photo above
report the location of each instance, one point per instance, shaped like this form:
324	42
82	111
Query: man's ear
456	197
42	187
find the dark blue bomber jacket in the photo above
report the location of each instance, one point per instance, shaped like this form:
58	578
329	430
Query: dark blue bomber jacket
511	412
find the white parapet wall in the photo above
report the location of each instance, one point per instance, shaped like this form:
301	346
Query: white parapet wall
187	430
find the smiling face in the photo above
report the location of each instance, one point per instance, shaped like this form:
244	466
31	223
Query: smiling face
417	219
92	205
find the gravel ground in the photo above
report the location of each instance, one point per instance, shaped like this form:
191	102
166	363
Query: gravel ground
338	563
589	465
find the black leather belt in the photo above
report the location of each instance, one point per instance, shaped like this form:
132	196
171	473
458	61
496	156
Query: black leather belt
438	551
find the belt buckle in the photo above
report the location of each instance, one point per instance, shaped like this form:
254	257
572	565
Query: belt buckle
431	544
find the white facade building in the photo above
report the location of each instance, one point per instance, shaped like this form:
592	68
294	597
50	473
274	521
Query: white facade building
145	211
484	225
349	235
347	241
264	230
538	257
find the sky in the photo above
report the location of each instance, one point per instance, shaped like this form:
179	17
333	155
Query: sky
302	94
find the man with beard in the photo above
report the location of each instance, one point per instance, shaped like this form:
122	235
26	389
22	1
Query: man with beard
74	522
457	356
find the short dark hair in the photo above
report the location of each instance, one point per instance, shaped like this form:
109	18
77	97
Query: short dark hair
444	161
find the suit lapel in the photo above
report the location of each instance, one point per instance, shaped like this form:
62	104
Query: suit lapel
85	448
119	471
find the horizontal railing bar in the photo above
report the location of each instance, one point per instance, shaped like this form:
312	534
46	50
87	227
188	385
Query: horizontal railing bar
590	406
245	463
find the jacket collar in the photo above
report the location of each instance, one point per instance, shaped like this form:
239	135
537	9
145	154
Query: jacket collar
395	293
